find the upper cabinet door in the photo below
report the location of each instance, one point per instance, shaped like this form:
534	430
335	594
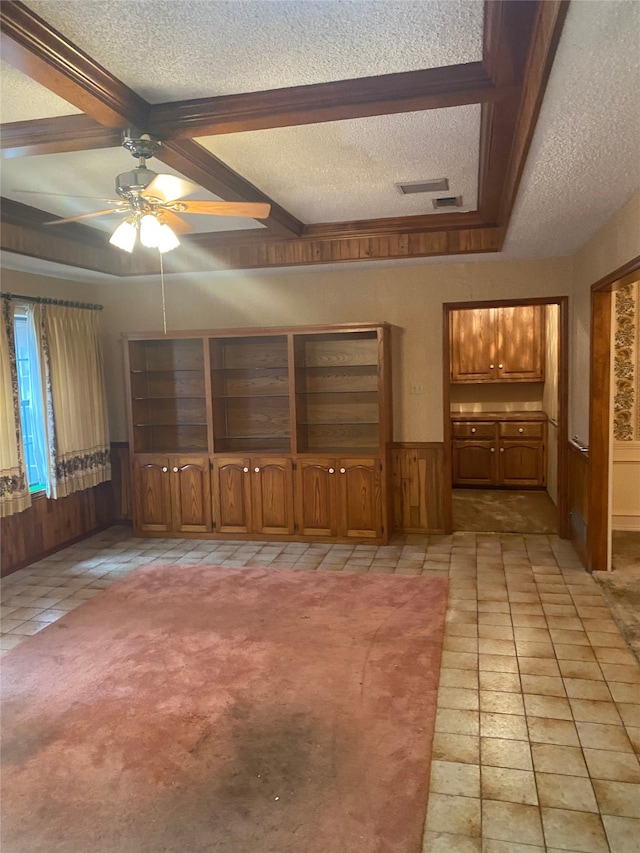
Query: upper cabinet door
498	344
473	345
520	343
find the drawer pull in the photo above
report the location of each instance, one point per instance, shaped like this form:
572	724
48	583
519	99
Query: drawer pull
500	366
520	429
491	366
473	429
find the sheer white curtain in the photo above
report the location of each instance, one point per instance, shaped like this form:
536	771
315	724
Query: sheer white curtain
14	486
73	378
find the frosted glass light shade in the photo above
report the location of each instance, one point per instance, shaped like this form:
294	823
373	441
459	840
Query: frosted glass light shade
124	237
167	240
150	230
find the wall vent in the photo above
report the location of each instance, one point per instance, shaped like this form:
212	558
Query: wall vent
447	201
436	185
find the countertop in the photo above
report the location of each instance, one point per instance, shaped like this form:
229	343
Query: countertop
500	416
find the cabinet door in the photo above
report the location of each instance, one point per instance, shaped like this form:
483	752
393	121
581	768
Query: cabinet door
520	343
191	494
272	495
152	494
232	494
521	463
472	345
474	463
316	509
360	488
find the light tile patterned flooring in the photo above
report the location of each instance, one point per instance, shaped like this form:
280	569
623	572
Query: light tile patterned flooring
539	700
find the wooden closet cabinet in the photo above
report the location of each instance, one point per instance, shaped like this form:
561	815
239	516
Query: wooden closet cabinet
279	432
504	344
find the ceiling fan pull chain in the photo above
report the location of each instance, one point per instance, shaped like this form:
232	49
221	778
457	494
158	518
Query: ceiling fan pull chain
164	303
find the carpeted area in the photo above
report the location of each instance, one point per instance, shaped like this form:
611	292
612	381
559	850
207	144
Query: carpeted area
198	708
621	586
504	511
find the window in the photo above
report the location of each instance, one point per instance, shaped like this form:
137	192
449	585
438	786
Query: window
31	408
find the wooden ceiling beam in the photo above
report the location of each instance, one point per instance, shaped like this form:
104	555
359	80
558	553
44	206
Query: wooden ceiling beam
56	136
199	165
32	46
520	40
431	88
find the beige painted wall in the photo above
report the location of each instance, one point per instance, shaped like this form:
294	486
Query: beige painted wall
410	298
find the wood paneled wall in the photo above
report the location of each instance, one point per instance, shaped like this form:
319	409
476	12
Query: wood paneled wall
578	489
418	485
48	525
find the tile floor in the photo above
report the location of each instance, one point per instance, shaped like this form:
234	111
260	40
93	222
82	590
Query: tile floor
538	724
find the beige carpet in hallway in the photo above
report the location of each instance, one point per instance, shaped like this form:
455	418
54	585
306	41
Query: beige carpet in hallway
504	511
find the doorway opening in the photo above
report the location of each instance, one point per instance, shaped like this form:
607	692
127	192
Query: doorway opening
505	415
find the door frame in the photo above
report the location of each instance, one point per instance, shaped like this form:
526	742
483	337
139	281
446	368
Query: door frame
598	517
563	399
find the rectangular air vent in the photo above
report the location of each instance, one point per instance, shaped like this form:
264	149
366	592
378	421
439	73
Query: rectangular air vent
436	185
448	201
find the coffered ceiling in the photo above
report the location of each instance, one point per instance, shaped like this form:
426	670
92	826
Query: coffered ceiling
319	108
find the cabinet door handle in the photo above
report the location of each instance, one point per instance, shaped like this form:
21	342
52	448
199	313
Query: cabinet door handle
500	366
331	470
491	366
246	470
343	470
473	429
493	450
164	469
502	450
175	470
257	470
520	429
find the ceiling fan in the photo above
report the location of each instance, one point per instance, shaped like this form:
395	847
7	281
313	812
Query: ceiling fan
151	202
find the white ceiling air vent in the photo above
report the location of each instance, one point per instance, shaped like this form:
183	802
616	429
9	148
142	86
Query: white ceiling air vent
435	185
448	201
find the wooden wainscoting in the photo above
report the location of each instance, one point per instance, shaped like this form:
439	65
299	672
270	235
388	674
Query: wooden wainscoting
579	500
418	486
48	525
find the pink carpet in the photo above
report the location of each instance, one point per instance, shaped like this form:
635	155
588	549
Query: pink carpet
190	709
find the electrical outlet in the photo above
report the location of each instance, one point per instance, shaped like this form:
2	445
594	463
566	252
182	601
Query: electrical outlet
416	388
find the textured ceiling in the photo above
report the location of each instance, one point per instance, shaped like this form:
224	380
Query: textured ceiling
21	99
155	46
584	161
368	156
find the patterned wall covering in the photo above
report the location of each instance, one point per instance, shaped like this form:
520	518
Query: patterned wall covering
626	364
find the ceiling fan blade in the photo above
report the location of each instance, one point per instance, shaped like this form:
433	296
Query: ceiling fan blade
169	188
176	223
66	195
85	216
255	210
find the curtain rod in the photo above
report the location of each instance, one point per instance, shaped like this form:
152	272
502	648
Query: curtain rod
45	300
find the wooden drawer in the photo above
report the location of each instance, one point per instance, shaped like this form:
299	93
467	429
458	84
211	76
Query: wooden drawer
521	429
473	429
